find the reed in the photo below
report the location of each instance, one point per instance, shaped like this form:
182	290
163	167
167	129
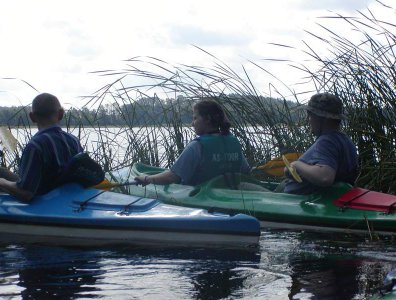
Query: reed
262	124
362	72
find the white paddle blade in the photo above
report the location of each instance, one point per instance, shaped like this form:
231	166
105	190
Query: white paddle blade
7	139
292	170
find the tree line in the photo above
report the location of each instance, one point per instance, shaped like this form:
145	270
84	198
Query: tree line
145	111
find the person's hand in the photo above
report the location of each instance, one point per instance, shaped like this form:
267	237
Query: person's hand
142	180
287	173
293	171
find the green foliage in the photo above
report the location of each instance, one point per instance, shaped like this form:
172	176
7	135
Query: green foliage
14	116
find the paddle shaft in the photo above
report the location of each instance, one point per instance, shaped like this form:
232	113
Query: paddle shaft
109	185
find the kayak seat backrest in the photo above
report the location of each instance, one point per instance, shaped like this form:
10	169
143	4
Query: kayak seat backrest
117	202
359	198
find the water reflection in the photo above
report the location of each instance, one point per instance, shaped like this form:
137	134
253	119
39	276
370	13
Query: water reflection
185	274
288	265
48	273
218	277
37	272
334	267
324	279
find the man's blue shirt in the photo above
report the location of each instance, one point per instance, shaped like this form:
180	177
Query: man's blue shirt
335	150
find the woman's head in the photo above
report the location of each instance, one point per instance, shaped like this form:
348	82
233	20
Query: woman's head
209	117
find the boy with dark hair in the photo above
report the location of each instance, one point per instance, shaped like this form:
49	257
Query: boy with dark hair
46	154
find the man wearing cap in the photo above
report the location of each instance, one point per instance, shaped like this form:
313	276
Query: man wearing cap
333	156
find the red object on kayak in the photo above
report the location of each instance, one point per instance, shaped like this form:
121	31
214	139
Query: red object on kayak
359	198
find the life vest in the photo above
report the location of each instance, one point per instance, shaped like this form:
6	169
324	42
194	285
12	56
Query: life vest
221	154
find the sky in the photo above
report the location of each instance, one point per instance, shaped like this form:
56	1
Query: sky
54	46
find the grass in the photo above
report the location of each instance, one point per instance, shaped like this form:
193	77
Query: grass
262	125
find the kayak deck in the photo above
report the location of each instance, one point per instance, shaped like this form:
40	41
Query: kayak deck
358	198
80	216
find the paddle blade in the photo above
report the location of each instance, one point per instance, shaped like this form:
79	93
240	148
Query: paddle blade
291	169
275	166
104	185
107	185
7	139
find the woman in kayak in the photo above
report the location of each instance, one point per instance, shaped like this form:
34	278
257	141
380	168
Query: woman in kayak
333	156
214	152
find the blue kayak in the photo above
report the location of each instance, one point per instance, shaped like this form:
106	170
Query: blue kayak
72	215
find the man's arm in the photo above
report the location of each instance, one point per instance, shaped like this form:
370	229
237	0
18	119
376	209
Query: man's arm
11	188
319	175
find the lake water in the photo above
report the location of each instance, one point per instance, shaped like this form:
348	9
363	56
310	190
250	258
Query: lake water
287	265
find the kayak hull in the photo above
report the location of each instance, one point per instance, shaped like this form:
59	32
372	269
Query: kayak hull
281	210
74	236
71	215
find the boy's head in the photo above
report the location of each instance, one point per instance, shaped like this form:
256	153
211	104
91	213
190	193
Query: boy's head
46	108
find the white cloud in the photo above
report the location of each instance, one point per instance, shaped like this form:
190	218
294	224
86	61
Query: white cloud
194	35
339	5
54	45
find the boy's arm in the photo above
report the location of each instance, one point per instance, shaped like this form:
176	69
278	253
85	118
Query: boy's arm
11	188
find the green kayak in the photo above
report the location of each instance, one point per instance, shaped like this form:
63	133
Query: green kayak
340	207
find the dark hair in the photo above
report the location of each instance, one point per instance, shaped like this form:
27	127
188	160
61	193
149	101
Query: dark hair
212	110
45	105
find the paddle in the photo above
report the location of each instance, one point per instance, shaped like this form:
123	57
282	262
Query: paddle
291	170
106	185
276	166
8	140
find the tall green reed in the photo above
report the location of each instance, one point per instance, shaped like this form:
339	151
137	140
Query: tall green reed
262	124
